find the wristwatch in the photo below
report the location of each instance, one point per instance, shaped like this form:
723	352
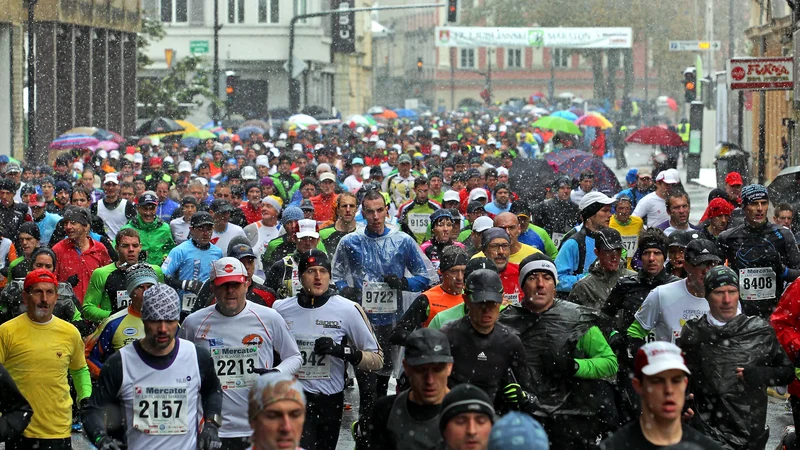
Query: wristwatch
215	419
348	351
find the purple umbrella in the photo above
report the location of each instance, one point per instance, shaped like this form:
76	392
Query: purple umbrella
572	162
68	141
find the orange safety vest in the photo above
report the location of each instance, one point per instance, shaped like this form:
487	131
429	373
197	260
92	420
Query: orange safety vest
438	301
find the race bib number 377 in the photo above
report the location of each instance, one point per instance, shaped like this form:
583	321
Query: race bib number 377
160	409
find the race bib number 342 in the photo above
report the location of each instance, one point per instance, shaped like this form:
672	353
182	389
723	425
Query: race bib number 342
160	409
314	367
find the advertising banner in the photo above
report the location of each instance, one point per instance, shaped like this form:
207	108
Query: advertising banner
470	37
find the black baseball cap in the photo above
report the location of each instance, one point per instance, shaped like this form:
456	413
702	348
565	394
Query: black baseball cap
484	285
148	198
220	205
189	200
608	239
682	238
427	346
520	208
240	251
700	251
473	173
306	205
479	263
475	206
201	218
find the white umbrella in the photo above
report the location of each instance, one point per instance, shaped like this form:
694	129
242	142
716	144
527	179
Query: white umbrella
566	95
302	121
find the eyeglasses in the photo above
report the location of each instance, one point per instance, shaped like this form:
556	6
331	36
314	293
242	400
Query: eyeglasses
495	247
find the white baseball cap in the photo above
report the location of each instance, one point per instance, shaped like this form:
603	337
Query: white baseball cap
478	193
594	197
669	176
502	171
262	160
308	228
111	178
451	196
482	224
298	147
113	154
327	176
185	166
657	357
249	173
380	144
227	270
138	158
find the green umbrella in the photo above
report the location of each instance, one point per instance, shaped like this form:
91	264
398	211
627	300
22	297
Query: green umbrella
200	134
558	124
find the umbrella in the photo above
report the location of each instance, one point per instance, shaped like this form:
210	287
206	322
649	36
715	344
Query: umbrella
190	142
116	137
106	145
672	104
529	177
386	114
245	132
406	113
785	188
566	95
357	120
569	115
255	123
98	133
572	162
302	121
68	141
375	110
558	124
594	120
145	141
656	136
202	135
159	125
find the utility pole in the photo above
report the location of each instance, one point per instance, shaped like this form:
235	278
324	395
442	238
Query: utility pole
217	27
452	78
489	52
33	154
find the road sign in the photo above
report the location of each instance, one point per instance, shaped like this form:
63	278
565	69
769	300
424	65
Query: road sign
695	46
198	47
761	74
298	66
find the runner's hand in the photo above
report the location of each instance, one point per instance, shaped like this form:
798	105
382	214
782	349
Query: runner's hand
107	443
264	371
192	285
396	282
209	438
326	346
514	394
559	363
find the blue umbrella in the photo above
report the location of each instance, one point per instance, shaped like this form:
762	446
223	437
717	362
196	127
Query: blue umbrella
245	132
190	142
406	113
565	115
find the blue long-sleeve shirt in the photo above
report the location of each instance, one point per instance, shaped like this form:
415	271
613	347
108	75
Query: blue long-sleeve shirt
165	209
567	263
47	225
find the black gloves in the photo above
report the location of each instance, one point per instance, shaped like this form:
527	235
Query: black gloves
73	280
326	346
351	293
559	364
209	437
513	394
107	443
396	282
192	285
757	376
264	371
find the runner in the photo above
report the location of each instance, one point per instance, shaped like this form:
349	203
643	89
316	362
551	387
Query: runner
284	277
180	226
277	412
346	208
400	185
441	225
244	339
224	231
466	418
330	330
114	210
629	226
160	382
414	216
155	235
557	215
652	207
260	233
593	290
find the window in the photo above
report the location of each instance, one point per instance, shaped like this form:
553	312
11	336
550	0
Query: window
235	11
174	11
467	60
268	9
514	58
300	8
561	57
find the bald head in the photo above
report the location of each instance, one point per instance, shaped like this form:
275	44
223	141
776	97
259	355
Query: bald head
509	222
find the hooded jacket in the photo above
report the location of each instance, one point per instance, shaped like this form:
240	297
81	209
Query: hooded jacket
156	238
786	322
731	411
593	290
628	295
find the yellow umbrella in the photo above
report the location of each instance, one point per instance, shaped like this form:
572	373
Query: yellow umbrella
187	127
606	122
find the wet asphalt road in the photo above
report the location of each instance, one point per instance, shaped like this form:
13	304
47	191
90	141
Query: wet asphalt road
778	416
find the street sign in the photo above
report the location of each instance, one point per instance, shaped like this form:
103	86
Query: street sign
761	74
299	66
198	47
695	46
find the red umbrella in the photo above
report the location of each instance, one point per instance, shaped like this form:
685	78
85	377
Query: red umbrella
656	136
672	104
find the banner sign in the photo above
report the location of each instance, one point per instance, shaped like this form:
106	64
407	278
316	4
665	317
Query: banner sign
470	37
343	27
761	74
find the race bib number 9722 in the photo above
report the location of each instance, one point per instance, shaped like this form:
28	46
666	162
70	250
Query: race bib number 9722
378	297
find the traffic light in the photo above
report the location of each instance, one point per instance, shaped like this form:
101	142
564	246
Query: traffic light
419	64
230	88
690	84
452	11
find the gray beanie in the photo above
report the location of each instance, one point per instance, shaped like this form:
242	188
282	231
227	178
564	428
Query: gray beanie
491	234
139	274
161	302
292	213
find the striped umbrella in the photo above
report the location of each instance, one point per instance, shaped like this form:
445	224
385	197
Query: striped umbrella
67	141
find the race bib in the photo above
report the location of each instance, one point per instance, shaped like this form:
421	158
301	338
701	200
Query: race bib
188	301
557	238
235	366
757	283
377	297
511	299
418	223
631	243
123	299
314	367
160	409
296	286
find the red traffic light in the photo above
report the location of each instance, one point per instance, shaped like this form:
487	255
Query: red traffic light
452	11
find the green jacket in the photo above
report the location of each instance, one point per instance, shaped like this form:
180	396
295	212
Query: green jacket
285	194
549	247
97	303
156	238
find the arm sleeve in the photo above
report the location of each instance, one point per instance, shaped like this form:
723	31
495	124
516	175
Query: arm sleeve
601	362
103	398
286	346
637	331
94	296
649	313
608	312
420	267
566	264
792	261
549	247
15	411
360	332
171	265
412	319
210	388
83	382
98	348
785	320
